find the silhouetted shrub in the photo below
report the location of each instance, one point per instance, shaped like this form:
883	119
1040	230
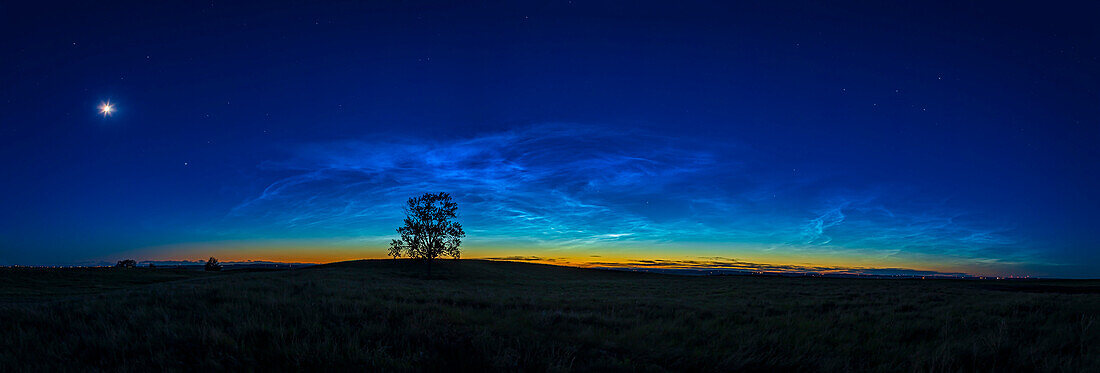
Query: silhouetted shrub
213	265
128	263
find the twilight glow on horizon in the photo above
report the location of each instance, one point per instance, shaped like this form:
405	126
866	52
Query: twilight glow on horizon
955	139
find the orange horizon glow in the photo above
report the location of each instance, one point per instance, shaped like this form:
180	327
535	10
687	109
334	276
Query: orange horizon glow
315	252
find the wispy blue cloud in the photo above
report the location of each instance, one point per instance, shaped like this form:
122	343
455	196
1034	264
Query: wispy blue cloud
571	187
546	184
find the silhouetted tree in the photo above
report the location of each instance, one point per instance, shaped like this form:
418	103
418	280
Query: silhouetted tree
212	265
429	231
395	250
128	263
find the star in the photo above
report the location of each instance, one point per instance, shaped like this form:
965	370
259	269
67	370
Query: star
106	108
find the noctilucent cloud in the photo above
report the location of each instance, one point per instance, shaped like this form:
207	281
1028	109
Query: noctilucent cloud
928	138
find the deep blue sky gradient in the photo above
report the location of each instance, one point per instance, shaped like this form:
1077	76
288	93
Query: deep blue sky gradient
929	135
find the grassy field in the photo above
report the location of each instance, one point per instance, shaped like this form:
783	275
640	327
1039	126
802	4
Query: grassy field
515	316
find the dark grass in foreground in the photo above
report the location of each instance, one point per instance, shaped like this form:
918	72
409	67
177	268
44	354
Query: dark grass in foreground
515	316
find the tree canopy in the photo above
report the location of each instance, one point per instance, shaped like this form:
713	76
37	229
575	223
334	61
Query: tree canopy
430	229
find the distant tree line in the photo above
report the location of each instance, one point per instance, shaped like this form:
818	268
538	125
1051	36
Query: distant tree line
212	264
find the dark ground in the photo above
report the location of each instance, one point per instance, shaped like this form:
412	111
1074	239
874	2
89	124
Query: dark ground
371	315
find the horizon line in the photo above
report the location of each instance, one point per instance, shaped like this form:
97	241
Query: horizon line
701	270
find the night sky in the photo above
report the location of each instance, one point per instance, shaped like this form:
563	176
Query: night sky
864	137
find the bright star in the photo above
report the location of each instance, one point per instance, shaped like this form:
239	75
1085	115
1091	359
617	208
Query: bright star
106	108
